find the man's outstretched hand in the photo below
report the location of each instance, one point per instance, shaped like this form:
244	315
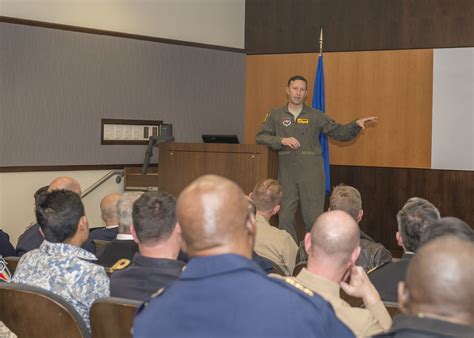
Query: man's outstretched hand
366	121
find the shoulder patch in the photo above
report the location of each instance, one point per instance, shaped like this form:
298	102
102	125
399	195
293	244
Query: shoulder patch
298	286
291	281
121	264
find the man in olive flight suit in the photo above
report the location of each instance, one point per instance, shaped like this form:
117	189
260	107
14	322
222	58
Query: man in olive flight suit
293	130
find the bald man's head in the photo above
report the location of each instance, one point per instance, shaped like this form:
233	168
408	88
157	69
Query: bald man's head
334	236
65	183
108	208
214	213
439	280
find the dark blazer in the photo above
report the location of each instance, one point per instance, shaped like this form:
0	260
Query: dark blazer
103	234
6	248
31	239
117	249
144	277
387	277
416	327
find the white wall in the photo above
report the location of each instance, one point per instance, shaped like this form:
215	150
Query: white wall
215	22
453	109
17	204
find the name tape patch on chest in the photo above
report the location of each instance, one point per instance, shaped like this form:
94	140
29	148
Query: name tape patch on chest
286	121
302	121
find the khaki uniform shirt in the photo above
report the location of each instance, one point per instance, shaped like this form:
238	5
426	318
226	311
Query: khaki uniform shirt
362	321
275	244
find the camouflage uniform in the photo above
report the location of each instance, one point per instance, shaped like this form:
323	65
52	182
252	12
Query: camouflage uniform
65	270
300	171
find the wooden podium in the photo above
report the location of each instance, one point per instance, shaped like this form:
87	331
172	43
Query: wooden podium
181	163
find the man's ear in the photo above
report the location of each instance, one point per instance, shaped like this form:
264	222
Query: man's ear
83	224
360	214
307	243
134	233
399	238
251	195
403	297
275	209
251	225
355	255
182	242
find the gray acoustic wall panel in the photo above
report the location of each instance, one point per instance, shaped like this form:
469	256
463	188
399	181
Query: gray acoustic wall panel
55	87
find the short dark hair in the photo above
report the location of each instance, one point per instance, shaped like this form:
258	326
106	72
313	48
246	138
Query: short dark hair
447	226
58	213
412	220
154	216
297	77
40	191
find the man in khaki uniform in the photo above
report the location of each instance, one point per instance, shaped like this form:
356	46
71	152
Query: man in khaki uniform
293	131
272	243
333	248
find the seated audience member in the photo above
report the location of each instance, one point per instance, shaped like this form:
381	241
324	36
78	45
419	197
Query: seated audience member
108	211
121	250
270	242
333	249
348	199
412	219
436	298
222	292
158	237
5	331
60	265
32	237
5	275
6	248
447	226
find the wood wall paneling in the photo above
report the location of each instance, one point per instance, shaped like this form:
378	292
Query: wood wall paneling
292	26
396	86
385	190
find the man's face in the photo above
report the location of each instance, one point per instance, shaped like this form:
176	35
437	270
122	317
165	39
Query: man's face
296	92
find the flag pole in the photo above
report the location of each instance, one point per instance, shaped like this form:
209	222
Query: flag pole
321	42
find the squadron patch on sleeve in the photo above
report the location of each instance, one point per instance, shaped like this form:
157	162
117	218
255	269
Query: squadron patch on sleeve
121	264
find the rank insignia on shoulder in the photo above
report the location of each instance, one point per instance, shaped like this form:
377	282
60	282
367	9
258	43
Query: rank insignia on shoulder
296	285
121	264
302	121
266	118
286	121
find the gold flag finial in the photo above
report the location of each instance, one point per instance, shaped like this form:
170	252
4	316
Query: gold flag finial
321	42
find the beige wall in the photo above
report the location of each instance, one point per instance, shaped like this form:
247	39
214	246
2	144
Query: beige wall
216	22
16	197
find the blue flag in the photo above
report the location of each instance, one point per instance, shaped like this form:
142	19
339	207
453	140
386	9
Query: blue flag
318	103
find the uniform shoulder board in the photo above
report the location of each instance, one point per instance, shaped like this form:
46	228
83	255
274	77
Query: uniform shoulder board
291	281
121	264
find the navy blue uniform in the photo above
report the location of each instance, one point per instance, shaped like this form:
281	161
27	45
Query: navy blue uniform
144	277
117	249
230	296
103	234
31	239
6	248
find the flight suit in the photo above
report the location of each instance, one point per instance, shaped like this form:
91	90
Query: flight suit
301	171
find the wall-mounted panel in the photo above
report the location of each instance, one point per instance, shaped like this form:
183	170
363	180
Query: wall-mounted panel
292	26
396	86
57	85
453	109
